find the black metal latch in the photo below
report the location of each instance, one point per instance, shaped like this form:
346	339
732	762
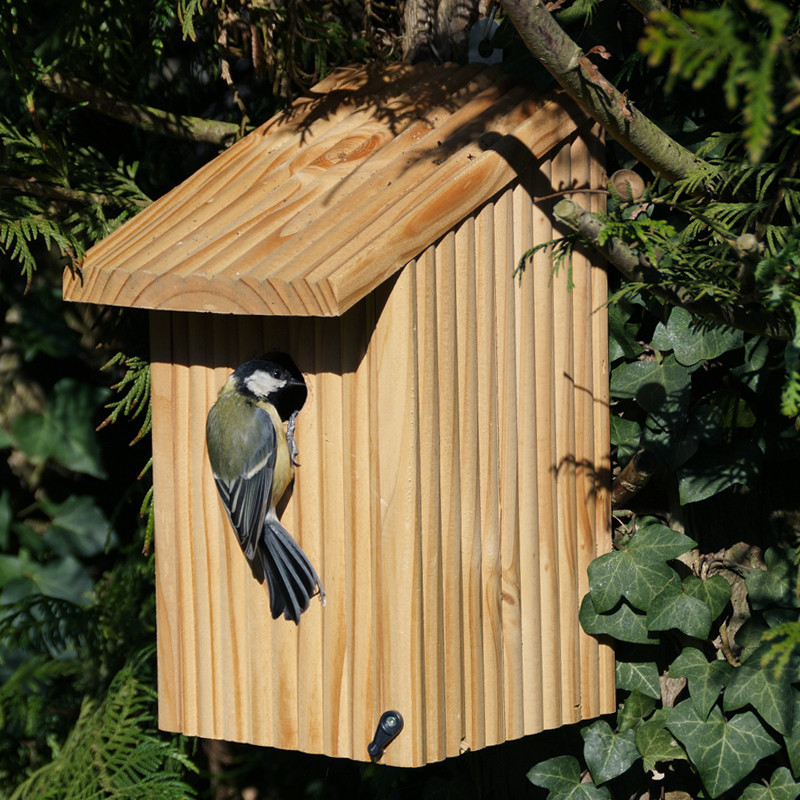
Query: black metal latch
389	725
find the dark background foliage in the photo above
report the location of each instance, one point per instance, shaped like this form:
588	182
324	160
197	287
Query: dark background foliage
86	144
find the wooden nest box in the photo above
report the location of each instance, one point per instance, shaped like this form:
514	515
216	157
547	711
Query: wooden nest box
453	446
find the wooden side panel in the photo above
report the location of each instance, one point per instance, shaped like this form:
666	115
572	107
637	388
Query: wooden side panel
601	420
451	492
442	697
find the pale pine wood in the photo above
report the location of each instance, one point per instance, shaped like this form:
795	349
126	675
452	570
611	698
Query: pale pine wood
606	697
399	555
437	681
488	419
260	229
470	471
184	219
440	198
564	343
267	213
390	202
453	479
334	98
538	521
168	567
450	488
515	686
592	352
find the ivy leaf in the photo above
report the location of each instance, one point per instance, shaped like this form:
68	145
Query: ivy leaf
42	327
72	406
705	678
772	698
777	585
718	469
750	372
781	787
749	637
694	341
64	432
6	520
10	569
672	608
33	434
625	436
636	708
662	390
621	333
639	675
561	776
608	754
79	527
656	743
793	739
623	624
65	578
715	592
706	425
673	447
724	752
639	572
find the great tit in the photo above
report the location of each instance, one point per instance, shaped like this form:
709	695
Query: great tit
253	466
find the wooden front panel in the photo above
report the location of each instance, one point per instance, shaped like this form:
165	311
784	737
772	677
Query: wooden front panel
452	489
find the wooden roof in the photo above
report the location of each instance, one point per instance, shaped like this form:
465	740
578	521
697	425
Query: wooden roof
325	201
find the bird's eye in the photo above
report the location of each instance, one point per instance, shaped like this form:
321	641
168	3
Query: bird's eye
276	373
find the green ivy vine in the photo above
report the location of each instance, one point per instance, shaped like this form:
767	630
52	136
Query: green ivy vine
703	621
703	709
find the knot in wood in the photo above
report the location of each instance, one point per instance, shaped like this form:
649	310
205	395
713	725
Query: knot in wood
351	148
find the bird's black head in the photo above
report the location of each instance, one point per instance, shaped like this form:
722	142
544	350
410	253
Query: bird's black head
265	379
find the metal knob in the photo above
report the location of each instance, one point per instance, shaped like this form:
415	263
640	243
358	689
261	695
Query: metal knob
389	725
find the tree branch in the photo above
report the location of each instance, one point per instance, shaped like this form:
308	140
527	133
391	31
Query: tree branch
49	191
595	95
647	7
155	120
636	268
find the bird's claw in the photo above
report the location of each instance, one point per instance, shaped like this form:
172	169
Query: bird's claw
290	440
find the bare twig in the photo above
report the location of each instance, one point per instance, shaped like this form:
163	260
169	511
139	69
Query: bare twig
155	120
571	67
647	7
633	477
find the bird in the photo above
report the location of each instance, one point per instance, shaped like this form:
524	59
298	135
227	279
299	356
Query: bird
253	464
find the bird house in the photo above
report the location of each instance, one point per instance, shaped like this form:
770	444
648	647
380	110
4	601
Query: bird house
453	444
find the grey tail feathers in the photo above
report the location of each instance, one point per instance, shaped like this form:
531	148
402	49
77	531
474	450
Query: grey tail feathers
291	580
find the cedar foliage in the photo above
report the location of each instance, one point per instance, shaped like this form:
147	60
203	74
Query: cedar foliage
76	613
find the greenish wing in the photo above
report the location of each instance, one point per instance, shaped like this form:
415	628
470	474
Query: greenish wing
246	496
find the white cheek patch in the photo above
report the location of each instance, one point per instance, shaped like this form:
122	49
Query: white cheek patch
262	384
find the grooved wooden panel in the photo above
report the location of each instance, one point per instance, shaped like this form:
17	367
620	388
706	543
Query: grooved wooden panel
321	204
452	490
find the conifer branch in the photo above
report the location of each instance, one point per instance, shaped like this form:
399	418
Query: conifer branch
148	118
637	269
571	67
50	191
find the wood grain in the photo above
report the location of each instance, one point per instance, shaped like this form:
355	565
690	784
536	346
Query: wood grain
452	489
454	445
309	213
